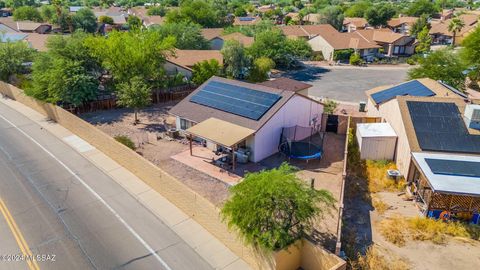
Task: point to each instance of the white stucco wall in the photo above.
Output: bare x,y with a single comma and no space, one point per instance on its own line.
319,44
298,110
390,113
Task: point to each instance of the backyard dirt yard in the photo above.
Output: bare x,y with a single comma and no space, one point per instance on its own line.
382,223
155,121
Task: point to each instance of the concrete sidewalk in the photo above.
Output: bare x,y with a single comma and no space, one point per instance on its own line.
204,243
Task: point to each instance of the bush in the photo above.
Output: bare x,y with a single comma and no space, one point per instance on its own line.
318,57
342,55
125,140
355,59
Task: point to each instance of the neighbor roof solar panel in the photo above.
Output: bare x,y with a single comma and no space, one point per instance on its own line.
454,167
246,102
246,19
412,88
440,127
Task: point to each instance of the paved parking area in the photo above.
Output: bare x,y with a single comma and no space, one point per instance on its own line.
346,83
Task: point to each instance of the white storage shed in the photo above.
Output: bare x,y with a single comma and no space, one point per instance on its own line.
376,141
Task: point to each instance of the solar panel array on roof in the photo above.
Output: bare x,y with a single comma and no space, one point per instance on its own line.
440,127
454,167
412,88
246,102
12,37
246,19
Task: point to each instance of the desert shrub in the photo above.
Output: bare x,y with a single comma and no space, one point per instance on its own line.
329,106
125,140
375,260
342,55
380,205
355,59
378,180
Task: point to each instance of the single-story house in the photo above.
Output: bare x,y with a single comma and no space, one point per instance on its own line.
37,41
221,113
305,31
438,145
183,60
217,39
12,36
351,24
149,21
402,24
312,18
5,12
295,16
383,102
244,21
393,44
288,84
441,35
25,26
330,40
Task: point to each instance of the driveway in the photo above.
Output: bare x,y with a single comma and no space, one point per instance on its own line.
346,83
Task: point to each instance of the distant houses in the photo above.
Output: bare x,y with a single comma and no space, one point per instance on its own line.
184,60
217,38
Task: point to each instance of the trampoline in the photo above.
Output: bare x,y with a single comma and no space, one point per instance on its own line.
301,150
295,143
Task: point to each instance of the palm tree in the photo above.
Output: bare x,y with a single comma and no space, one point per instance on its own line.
455,26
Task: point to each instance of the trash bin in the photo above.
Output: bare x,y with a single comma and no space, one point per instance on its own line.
362,106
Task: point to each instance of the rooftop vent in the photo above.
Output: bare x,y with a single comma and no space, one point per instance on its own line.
472,116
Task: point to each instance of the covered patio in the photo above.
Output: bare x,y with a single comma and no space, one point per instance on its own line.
225,138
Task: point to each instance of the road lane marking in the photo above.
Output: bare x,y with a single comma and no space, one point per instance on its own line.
95,194
27,253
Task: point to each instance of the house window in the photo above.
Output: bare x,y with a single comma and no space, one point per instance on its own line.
183,124
399,50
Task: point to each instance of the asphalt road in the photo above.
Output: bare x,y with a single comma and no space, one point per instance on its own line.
69,211
347,83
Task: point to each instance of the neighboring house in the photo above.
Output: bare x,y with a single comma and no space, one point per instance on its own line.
288,85
244,21
12,36
265,8
74,9
312,18
438,147
354,24
25,26
5,12
184,60
441,35
37,41
149,21
402,25
383,102
393,44
258,131
217,42
305,31
330,40
295,16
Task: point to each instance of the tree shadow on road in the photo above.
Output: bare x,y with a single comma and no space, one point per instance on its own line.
307,74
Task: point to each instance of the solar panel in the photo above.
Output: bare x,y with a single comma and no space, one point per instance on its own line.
243,101
412,88
440,127
246,19
454,167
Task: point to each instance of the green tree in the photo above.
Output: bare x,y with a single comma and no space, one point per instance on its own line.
235,59
456,25
442,65
105,19
420,7
260,69
357,9
134,94
204,70
470,53
330,106
197,11
419,25
13,55
424,41
129,54
299,48
355,59
332,15
157,11
240,12
27,13
67,72
134,23
379,16
188,35
48,13
273,208
85,20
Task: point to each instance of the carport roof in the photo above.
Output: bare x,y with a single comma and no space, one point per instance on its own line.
220,132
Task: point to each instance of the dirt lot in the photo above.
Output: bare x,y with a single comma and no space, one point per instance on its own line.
155,121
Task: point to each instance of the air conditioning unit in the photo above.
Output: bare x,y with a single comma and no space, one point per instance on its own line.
472,116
